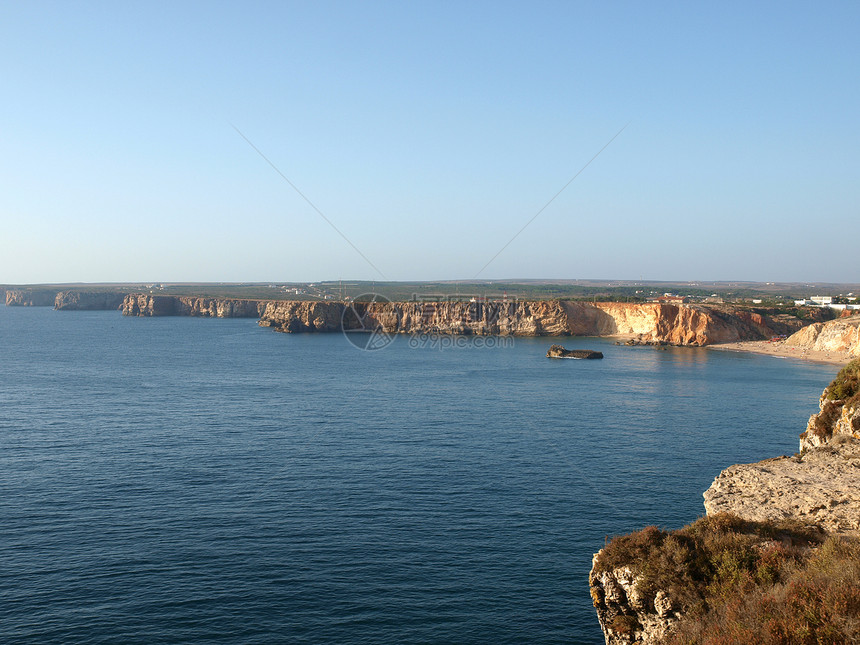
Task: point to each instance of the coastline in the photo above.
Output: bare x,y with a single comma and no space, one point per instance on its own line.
780,349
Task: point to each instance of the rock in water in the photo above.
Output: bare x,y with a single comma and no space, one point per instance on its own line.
557,351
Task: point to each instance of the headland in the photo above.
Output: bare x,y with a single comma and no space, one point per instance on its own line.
775,560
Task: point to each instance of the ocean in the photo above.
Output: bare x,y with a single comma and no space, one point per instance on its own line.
186,480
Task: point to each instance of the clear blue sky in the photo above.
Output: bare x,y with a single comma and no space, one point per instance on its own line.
429,133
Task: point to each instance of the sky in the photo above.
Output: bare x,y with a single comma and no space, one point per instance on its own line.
305,141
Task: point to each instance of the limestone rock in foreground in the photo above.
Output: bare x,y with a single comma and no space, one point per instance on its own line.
625,611
821,486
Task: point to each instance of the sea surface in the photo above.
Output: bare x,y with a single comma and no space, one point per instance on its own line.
184,480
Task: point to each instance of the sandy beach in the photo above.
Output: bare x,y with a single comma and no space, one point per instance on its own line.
780,349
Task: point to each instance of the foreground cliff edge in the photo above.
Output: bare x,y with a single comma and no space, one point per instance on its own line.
775,560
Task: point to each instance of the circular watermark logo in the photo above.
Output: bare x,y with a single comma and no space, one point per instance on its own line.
360,327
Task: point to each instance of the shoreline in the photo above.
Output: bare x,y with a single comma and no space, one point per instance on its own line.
781,350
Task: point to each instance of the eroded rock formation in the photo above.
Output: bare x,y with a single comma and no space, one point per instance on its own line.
840,335
651,322
88,300
838,416
820,486
695,325
139,304
627,613
294,316
30,297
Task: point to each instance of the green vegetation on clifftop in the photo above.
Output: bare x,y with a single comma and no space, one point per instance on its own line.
846,385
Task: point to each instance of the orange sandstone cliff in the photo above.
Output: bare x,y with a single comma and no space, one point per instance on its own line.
695,325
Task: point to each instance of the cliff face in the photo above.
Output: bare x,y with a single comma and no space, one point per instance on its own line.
649,323
504,319
657,323
695,325
627,613
30,297
293,316
840,335
138,304
88,300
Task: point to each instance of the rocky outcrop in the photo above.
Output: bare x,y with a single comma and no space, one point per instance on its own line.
30,297
557,351
625,610
88,300
294,316
838,416
819,486
840,335
141,304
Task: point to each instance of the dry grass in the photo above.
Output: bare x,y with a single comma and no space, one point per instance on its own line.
814,602
748,582
712,557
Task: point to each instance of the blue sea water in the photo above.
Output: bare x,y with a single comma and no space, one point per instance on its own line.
182,480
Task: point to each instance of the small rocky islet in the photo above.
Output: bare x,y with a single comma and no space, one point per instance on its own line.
557,351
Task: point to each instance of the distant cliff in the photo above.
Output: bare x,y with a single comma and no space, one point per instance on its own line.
539,318
840,335
696,325
30,297
88,300
139,304
648,323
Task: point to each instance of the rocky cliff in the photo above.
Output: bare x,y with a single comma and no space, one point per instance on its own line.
139,304
647,585
695,325
840,335
820,486
294,316
88,300
838,416
30,297
649,323
540,318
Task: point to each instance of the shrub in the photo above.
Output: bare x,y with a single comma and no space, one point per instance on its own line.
846,385
793,596
739,581
624,624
